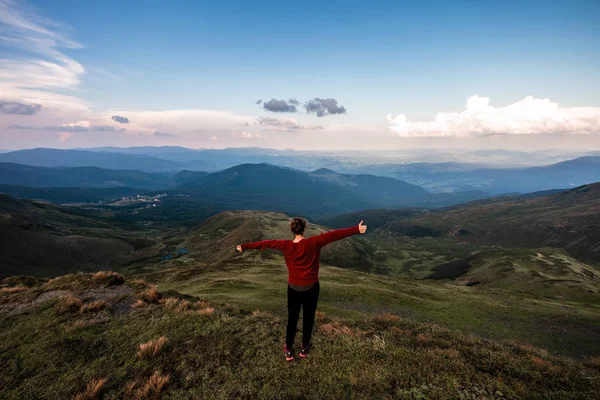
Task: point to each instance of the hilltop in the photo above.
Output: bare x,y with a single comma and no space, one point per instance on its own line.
100,335
215,239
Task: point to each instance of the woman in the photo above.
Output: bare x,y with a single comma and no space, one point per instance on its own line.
302,259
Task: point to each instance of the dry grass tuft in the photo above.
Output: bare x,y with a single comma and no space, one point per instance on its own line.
540,362
81,324
336,328
109,277
70,303
150,296
424,338
153,387
170,302
438,354
204,303
94,306
183,306
320,316
593,362
260,313
14,289
130,387
152,347
206,311
378,342
93,390
386,320
139,304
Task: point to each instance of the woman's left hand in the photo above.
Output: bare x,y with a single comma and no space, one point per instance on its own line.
239,247
362,228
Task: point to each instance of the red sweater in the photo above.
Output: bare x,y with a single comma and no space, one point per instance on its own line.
302,258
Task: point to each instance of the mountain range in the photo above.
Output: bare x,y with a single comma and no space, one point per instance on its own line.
439,174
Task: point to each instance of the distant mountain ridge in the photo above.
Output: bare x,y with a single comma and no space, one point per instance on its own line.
565,174
42,157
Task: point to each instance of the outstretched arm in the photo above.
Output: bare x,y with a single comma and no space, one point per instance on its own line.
332,236
264,244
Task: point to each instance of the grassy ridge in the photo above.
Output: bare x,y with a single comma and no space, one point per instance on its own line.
62,346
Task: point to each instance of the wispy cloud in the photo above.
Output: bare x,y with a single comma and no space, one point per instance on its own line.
39,69
284,124
246,135
528,116
162,134
80,126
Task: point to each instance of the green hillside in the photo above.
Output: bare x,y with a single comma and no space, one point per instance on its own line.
46,240
569,220
546,272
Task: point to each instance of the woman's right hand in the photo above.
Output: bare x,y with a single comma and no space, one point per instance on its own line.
239,247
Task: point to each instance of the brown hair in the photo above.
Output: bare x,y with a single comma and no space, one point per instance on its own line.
298,225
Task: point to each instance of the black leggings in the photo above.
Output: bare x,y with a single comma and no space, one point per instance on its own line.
308,300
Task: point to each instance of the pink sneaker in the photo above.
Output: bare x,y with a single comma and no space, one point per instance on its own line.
289,353
304,351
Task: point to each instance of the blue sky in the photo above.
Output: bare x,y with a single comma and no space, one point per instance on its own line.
375,58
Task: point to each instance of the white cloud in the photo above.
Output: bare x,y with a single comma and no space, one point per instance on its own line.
213,138
245,135
528,116
39,69
83,124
